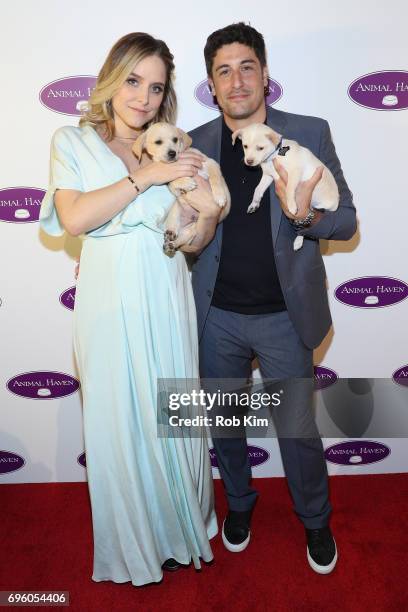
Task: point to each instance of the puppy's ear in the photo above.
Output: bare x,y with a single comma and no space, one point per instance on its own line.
273,136
236,134
185,140
139,145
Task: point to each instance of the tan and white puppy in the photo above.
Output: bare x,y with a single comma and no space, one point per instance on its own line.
164,142
262,145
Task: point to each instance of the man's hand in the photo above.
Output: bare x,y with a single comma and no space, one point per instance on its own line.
202,200
303,194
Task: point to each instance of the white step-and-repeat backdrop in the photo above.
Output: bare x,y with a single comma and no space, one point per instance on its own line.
346,62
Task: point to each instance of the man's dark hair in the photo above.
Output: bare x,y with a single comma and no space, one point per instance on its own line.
234,33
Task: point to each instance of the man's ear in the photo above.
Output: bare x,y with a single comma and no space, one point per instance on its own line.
139,145
211,86
265,76
185,139
236,134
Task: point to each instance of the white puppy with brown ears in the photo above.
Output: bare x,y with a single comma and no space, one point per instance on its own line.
262,145
164,142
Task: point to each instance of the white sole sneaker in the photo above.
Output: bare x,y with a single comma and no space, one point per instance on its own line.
235,547
322,569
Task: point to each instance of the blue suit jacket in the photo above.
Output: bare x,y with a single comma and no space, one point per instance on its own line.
301,273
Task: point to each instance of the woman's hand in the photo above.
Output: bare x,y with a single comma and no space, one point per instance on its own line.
159,173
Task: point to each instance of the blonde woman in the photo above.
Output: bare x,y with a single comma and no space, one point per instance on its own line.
134,320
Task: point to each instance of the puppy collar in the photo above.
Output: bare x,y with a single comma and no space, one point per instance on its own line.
278,146
281,150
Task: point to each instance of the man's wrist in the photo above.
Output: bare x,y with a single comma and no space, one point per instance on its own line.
305,222
311,219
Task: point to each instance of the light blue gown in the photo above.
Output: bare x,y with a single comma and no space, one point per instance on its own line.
134,322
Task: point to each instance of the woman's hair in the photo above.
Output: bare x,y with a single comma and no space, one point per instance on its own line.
120,62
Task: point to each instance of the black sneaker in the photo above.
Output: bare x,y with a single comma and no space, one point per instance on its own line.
235,530
321,550
171,565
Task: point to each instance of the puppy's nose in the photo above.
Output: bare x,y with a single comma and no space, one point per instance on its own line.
249,162
171,154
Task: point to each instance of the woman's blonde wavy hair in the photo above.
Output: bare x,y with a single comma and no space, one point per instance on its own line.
122,58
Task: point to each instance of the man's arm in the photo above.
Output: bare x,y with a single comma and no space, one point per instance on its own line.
202,200
338,225
206,227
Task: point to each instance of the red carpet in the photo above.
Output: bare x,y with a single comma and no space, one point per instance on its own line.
46,540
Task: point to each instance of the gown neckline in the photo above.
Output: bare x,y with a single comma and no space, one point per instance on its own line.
101,140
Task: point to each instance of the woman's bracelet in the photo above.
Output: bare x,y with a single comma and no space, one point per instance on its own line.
133,183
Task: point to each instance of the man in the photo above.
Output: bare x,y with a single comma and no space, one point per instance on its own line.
255,295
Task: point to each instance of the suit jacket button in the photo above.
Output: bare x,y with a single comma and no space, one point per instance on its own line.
217,258
209,292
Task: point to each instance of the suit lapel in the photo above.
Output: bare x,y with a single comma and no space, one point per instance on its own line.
215,139
277,121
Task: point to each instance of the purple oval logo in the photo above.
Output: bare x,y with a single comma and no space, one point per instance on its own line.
400,376
203,95
20,204
43,385
383,90
67,298
324,377
371,292
69,95
10,462
357,452
256,454
82,459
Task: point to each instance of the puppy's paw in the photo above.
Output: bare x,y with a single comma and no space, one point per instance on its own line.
298,243
203,173
190,184
187,184
169,248
169,235
292,207
182,185
220,199
253,207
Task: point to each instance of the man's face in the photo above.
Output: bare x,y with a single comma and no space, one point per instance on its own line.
238,81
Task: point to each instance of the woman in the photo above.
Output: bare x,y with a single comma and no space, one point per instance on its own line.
134,320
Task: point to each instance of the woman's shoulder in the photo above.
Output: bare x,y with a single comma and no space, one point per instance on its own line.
70,133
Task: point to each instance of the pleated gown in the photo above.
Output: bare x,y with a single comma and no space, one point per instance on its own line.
134,322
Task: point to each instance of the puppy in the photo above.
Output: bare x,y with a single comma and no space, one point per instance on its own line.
262,145
164,142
